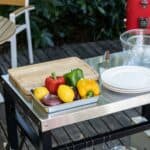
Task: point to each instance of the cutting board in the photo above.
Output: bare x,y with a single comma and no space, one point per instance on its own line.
31,76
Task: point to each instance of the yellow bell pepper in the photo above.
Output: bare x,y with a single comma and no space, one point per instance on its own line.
88,88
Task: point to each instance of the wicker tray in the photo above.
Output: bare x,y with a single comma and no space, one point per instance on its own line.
28,77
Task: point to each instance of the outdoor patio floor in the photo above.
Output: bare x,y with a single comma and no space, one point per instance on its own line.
79,130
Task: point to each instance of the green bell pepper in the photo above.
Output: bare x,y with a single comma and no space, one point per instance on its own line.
73,77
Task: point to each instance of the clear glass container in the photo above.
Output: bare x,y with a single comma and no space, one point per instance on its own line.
123,148
136,43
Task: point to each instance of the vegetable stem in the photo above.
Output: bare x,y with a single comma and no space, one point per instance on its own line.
53,74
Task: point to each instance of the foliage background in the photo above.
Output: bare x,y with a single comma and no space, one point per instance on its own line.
55,22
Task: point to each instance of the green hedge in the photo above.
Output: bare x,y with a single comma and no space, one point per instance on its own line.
55,22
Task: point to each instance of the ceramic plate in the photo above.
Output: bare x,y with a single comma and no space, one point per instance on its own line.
127,79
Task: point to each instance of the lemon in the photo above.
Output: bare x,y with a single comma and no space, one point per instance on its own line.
65,93
40,92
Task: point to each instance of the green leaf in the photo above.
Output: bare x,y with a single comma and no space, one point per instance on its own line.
101,10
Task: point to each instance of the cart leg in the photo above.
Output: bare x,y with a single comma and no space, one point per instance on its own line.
11,120
146,111
45,141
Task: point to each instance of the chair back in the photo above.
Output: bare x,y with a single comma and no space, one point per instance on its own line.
15,2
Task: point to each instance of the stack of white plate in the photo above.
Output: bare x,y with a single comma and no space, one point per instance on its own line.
127,79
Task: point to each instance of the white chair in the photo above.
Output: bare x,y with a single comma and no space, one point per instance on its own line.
24,9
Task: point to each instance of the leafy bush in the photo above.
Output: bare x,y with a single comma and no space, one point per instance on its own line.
55,22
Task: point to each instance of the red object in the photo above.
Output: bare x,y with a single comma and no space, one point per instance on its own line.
52,83
138,14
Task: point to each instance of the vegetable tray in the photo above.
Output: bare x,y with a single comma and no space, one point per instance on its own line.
32,76
64,106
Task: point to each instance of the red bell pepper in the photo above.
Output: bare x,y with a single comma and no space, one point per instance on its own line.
52,83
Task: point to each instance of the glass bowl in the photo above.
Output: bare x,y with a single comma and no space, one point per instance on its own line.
136,43
119,147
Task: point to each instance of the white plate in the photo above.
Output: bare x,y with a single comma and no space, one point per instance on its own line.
130,90
125,91
127,79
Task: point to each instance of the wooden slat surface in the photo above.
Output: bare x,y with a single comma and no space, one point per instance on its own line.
83,129
86,126
7,29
